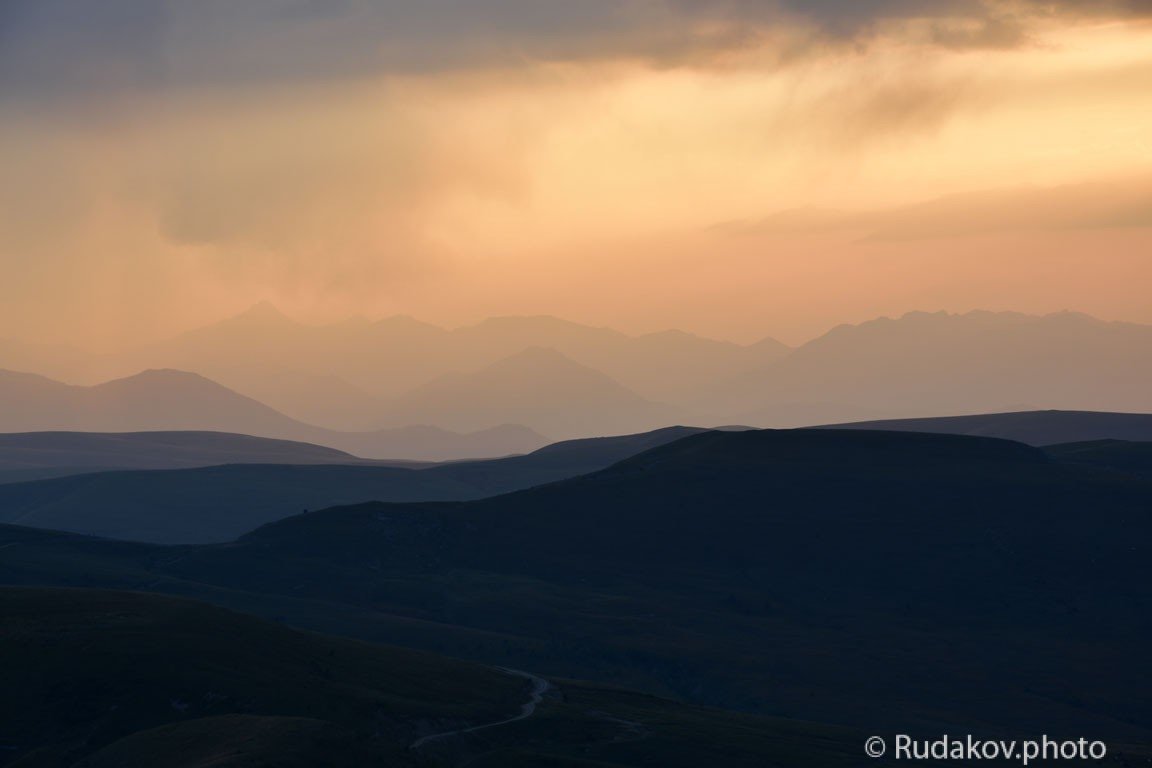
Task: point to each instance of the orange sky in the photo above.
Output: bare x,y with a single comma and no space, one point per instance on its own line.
740,192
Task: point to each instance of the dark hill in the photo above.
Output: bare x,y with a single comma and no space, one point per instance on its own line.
1120,455
801,545
890,580
774,449
24,455
83,669
98,679
1032,427
209,504
216,504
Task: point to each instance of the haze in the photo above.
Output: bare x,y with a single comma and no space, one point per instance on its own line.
734,169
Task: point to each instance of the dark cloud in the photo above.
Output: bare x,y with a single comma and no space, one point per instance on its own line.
80,49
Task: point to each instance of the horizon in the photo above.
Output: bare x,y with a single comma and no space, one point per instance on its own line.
265,305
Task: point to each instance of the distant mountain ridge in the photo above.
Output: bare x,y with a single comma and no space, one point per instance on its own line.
924,364
341,373
540,387
360,375
167,400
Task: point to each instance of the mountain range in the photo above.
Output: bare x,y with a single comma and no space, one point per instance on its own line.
167,400
566,380
538,386
926,364
338,374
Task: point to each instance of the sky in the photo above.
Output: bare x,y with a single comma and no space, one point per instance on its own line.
736,168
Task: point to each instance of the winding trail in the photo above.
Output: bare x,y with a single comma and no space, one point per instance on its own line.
540,686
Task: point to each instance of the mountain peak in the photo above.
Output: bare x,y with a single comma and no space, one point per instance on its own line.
542,360
530,327
547,321
167,378
405,323
263,313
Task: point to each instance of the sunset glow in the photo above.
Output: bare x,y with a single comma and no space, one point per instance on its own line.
598,177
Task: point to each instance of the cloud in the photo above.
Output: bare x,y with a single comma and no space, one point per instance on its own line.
167,159
77,50
1098,205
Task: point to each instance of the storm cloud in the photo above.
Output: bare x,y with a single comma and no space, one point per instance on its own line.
75,49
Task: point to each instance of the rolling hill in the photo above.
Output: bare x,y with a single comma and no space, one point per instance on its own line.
1120,455
1032,427
36,455
220,503
897,581
85,669
101,679
168,400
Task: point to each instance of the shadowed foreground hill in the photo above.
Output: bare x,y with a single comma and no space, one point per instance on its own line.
1032,427
887,580
83,669
98,679
1120,455
216,504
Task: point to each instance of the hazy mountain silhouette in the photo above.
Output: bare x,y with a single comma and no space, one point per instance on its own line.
48,359
896,580
152,400
538,387
1032,427
360,375
335,374
166,400
927,364
220,503
664,366
384,357
104,679
323,400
